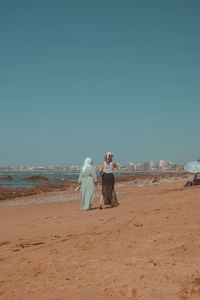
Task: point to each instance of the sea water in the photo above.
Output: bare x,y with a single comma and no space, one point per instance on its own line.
18,177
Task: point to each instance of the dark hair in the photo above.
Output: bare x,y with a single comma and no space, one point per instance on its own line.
109,159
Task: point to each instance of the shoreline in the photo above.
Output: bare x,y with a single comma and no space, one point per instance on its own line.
66,192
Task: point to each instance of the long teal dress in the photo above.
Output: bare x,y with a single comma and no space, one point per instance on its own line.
87,179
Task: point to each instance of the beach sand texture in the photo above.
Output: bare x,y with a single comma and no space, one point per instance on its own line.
148,248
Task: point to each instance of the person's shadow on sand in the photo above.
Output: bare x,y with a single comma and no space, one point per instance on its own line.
97,207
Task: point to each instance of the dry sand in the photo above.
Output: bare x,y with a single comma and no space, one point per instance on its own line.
148,248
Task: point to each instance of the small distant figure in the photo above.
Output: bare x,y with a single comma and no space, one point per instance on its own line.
195,181
87,179
106,169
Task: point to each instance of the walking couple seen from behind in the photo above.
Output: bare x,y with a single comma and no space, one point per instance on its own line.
88,178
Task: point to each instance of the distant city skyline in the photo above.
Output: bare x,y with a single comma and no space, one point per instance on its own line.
148,165
81,78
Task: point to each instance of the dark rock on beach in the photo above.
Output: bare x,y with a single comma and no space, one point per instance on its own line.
155,180
6,178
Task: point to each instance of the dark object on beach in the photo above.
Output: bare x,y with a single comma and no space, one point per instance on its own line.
155,180
196,180
38,243
6,178
36,178
138,225
188,183
25,245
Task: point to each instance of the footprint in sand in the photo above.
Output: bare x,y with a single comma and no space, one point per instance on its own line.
128,291
191,291
109,291
138,224
178,250
4,243
15,250
55,237
2,259
26,245
195,289
53,251
107,221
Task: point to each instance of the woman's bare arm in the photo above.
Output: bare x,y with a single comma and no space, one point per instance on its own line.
114,165
101,167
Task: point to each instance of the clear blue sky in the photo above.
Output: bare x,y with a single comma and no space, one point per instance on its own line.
80,78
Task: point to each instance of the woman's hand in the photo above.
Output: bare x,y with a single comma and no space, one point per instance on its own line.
77,188
114,165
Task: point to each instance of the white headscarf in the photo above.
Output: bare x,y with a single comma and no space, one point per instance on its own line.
87,163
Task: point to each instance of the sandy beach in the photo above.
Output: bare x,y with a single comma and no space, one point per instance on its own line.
145,249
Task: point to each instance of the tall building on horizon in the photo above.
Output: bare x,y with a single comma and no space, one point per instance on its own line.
161,163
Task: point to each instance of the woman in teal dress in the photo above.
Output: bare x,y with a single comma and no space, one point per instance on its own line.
87,179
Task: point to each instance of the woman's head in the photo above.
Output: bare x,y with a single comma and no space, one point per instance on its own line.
108,157
87,163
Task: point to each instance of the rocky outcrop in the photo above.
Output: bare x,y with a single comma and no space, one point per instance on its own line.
36,178
9,193
155,180
9,177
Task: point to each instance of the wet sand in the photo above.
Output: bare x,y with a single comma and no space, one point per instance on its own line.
145,249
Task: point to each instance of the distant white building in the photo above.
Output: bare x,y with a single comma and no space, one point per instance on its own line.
161,163
39,168
166,165
75,168
146,166
130,166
